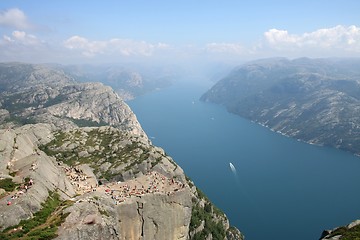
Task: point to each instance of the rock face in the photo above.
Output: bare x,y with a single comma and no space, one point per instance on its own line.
83,142
19,155
41,94
314,100
151,217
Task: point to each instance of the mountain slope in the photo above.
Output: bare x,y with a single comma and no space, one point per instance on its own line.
127,81
314,100
76,164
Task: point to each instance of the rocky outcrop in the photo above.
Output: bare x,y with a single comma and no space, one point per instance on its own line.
153,216
42,94
313,100
20,155
112,182
351,231
157,215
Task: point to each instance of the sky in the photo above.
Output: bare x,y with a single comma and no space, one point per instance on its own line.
109,31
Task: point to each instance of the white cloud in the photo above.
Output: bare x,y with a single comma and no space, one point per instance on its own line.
338,41
21,46
88,48
14,18
115,46
20,37
274,36
338,38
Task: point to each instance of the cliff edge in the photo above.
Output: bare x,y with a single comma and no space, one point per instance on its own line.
76,164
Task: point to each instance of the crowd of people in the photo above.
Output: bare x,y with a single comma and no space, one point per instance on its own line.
152,182
19,191
80,180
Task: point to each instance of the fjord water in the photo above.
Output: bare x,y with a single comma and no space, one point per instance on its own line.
282,189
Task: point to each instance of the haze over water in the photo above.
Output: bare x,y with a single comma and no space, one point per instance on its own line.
283,189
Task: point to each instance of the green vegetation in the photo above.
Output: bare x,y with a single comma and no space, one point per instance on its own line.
216,228
347,234
98,146
234,233
18,120
189,181
153,164
55,100
87,123
8,185
201,194
211,216
13,104
43,225
108,175
103,212
27,179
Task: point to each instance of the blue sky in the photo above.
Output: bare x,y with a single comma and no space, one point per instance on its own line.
106,31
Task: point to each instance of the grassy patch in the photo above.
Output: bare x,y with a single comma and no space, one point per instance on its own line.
8,185
210,215
352,234
112,146
43,225
347,234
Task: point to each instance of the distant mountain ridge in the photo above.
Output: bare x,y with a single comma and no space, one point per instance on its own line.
314,100
129,82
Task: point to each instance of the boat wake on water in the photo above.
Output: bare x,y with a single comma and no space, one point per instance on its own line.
233,169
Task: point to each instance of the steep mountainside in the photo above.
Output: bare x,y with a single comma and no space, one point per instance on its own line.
314,100
127,81
75,164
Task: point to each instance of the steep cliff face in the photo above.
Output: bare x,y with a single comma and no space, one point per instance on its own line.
314,100
42,94
155,216
75,164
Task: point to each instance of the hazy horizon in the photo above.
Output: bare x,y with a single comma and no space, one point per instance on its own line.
185,32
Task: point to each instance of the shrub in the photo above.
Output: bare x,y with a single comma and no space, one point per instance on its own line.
44,224
8,185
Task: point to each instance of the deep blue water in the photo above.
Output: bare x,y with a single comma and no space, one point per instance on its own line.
283,189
